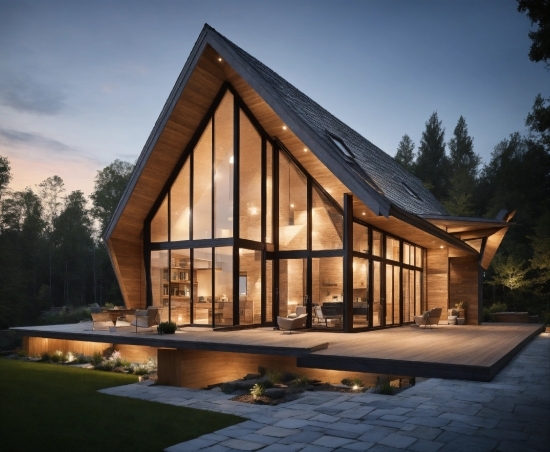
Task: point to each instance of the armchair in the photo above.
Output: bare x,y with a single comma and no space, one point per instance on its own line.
292,324
147,318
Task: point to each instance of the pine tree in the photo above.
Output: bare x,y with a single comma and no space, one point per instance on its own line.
464,165
405,153
432,165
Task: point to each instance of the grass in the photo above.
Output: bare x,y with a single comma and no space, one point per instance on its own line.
48,407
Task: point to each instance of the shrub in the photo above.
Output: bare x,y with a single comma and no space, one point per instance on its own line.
45,356
97,359
58,357
258,390
300,381
385,388
82,359
280,376
21,353
105,365
140,370
167,327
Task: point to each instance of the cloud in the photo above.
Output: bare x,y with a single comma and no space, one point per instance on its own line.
39,148
18,138
30,96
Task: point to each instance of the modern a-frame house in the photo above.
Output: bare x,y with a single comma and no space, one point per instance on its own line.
249,200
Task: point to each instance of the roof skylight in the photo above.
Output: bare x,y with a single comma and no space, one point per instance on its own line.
411,191
340,144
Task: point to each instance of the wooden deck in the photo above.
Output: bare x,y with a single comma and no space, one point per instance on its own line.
459,352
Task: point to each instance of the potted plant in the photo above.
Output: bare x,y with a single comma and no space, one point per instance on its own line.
461,307
166,328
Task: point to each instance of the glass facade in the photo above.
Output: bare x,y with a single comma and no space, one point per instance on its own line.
220,256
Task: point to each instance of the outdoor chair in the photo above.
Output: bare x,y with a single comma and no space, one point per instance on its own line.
299,311
292,324
147,318
326,319
100,317
428,318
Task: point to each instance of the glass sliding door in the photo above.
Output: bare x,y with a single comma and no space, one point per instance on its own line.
360,293
223,286
183,281
202,298
327,287
377,297
292,285
250,287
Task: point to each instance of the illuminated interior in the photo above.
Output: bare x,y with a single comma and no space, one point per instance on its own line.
243,234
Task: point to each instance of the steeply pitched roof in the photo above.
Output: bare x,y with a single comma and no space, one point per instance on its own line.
378,169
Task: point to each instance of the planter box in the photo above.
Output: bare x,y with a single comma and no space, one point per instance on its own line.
451,320
461,321
512,317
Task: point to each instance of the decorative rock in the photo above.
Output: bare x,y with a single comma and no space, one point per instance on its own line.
251,376
275,393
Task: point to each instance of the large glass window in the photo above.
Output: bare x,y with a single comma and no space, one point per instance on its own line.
328,292
360,238
269,291
292,285
202,186
250,174
250,287
160,274
392,249
202,300
223,286
376,243
269,195
327,223
223,168
292,206
360,293
159,223
182,283
377,302
180,205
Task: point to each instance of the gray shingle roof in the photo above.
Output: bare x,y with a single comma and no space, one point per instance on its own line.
380,170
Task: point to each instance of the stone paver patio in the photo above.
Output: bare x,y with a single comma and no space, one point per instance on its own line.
511,413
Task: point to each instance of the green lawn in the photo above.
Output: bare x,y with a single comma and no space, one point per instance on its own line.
47,407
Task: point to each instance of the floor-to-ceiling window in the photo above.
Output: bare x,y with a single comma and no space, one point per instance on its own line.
220,256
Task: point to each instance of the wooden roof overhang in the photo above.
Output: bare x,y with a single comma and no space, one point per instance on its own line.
484,234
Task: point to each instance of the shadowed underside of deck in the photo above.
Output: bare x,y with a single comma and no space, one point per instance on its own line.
461,352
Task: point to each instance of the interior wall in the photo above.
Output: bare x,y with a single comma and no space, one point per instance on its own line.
464,286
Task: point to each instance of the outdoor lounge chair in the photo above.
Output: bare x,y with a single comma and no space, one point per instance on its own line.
100,317
147,318
292,324
322,317
428,318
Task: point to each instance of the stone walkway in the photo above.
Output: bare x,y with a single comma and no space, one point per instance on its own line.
511,413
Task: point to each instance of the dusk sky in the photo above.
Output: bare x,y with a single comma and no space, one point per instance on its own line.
82,83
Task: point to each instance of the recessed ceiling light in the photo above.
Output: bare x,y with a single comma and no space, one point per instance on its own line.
219,58
305,149
292,205
284,127
364,213
441,246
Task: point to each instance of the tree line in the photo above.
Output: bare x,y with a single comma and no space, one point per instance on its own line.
517,177
51,251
